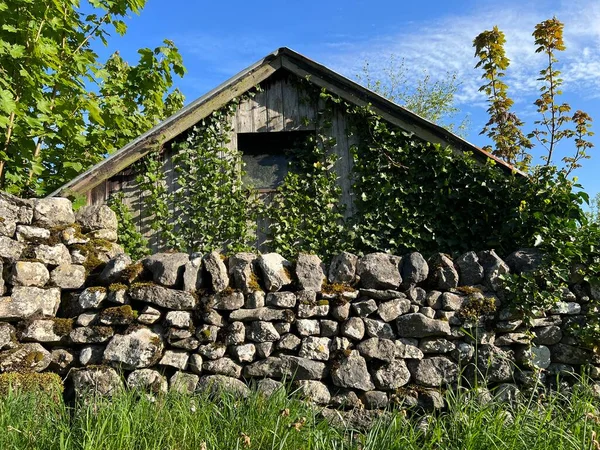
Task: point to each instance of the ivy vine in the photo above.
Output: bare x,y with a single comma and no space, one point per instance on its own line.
132,241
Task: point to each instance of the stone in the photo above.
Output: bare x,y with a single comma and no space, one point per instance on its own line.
262,332
105,235
91,335
442,274
62,361
392,375
52,255
189,343
179,319
566,308
10,250
245,353
195,363
96,217
316,348
15,208
71,236
524,260
50,331
375,400
392,309
535,356
25,273
212,350
353,328
273,367
183,383
340,344
115,269
346,399
493,267
428,312
242,272
207,333
53,212
309,272
192,275
549,335
343,268
228,301
7,335
419,326
382,295
436,345
212,317
268,387
407,348
434,371
163,297
135,350
167,269
430,400
223,366
281,299
149,315
217,271
298,368
379,349
264,349
463,352
275,271
289,342
147,380
25,358
414,269
352,373
471,272
235,333
93,381
91,355
453,302
495,364
512,339
28,301
175,358
262,314
377,328
308,327
307,310
379,271
329,328
569,354
434,299
255,300
118,295
417,296
341,312
313,390
365,307
216,384
26,233
282,327
68,276
8,226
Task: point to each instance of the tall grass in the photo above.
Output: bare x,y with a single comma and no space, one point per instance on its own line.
178,422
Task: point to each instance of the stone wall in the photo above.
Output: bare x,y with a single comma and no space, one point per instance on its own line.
361,332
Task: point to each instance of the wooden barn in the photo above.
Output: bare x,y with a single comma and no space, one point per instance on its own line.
263,126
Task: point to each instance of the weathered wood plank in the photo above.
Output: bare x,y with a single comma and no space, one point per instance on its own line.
275,106
259,112
98,194
343,166
291,114
244,116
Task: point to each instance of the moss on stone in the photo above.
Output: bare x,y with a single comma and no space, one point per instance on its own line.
132,272
476,307
62,327
468,290
117,287
253,282
31,382
121,314
336,288
97,289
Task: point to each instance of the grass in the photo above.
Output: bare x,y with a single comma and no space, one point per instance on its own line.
177,422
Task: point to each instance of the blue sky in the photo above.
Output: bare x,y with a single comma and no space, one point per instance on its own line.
218,39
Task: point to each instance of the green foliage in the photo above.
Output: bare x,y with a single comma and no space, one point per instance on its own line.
132,241
61,108
305,214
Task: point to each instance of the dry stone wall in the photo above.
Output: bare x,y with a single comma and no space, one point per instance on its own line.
359,332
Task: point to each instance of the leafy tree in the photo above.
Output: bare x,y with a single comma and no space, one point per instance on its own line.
432,100
61,108
594,213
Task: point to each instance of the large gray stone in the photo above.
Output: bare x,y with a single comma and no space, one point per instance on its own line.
275,271
309,272
217,384
549,335
68,276
114,269
569,354
25,273
262,332
53,212
495,365
313,390
135,350
217,271
7,336
96,217
177,359
27,301
228,301
392,309
418,326
343,268
379,349
524,260
223,366
379,329
435,371
25,358
493,267
353,328
442,273
242,273
391,376
192,275
10,250
15,208
414,269
91,335
167,269
163,297
147,380
352,373
471,272
27,233
316,348
47,331
379,271
92,381
262,314
183,383
53,255
92,297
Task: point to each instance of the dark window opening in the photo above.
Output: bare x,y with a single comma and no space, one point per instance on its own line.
267,156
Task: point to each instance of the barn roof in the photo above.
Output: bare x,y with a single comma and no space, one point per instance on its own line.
283,58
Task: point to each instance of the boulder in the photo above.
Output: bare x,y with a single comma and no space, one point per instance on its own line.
175,358
25,358
392,375
92,297
281,299
25,273
569,354
315,348
27,301
163,297
135,350
7,335
53,212
242,272
375,400
442,273
235,333
364,307
471,272
549,335
524,260
352,373
343,268
228,301
92,381
27,233
15,208
313,390
392,309
167,269
379,271
149,315
407,348
96,217
68,276
298,368
309,272
354,328
414,269
379,329
275,271
262,332
416,325
308,327
268,387
493,268
495,365
379,349
183,383
436,345
179,319
434,371
223,366
217,271
147,380
216,384
245,353
535,356
52,255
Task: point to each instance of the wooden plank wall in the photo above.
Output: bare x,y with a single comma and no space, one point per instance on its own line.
279,106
